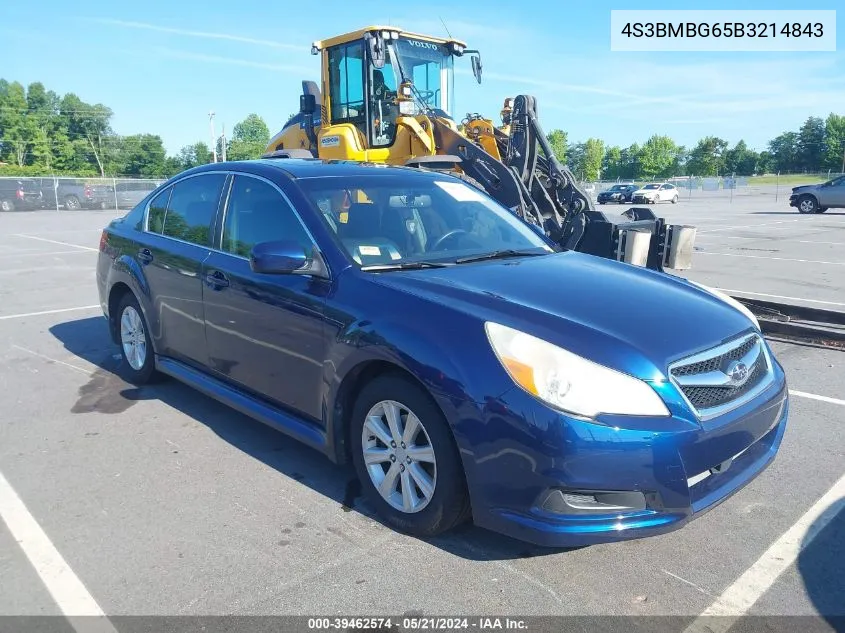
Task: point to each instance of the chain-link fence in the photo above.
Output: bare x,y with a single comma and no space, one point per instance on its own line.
19,193
778,186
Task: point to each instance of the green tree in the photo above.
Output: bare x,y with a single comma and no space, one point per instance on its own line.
657,157
592,158
193,155
631,162
141,155
811,144
558,141
611,166
784,152
249,139
707,158
88,123
834,143
741,160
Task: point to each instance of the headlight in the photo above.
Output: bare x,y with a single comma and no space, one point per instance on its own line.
567,381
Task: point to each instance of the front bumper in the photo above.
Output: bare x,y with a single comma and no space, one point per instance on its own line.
793,200
643,199
680,466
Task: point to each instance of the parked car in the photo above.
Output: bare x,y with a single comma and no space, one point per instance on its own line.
819,198
404,321
618,193
655,192
75,193
18,194
131,192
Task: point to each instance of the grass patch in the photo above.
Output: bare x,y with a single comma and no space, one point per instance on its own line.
787,180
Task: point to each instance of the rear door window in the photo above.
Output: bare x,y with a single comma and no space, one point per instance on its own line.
193,207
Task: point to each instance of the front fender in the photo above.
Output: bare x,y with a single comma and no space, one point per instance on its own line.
434,362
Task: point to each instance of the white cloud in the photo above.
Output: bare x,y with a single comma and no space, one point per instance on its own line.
235,61
201,34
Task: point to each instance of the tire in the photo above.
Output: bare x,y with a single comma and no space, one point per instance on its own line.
675,199
602,202
807,204
137,370
447,503
7,205
72,203
821,209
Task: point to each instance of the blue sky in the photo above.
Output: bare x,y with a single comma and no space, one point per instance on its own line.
161,66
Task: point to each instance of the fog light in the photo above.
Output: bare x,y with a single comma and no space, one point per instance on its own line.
593,501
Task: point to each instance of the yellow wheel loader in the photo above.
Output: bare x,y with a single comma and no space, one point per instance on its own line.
387,96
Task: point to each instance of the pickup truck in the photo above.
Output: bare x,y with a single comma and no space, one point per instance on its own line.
19,194
76,193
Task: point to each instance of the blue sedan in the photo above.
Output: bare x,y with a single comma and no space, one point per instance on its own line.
468,368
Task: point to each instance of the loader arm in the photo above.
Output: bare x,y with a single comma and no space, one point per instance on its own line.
530,180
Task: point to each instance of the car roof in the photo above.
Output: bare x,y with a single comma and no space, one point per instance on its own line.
300,168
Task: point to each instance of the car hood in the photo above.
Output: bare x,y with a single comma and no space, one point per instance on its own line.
803,188
646,191
630,318
611,193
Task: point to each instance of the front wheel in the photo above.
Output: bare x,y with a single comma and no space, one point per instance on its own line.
807,204
405,456
821,209
7,205
72,203
675,199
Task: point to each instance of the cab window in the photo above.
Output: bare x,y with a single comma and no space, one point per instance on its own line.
346,84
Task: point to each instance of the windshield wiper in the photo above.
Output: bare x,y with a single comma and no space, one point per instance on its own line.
500,255
406,266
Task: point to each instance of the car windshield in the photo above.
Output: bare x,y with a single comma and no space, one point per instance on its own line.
618,188
652,186
406,219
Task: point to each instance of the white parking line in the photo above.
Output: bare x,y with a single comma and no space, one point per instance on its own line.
762,294
750,226
737,599
51,359
814,396
3,317
783,259
41,254
44,239
64,586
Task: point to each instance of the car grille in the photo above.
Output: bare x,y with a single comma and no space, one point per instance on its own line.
724,377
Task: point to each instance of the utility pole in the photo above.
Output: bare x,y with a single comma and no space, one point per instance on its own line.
223,142
213,137
843,157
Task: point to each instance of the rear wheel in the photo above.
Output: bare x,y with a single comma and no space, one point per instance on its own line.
807,204
136,347
72,203
405,457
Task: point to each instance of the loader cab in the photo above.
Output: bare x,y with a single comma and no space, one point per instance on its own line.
373,77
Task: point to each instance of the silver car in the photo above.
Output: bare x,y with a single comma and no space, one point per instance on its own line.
819,198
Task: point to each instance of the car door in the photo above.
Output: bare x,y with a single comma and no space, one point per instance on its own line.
180,223
264,332
833,195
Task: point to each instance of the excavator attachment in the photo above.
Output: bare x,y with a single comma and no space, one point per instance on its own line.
529,179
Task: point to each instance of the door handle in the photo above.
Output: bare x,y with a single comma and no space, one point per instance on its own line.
216,280
145,255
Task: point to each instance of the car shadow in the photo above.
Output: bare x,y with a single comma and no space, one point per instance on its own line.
820,565
109,392
794,213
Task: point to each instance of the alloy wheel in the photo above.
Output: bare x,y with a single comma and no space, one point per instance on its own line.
399,456
133,338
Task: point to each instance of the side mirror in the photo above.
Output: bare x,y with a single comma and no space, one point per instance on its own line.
278,258
307,104
375,42
475,60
